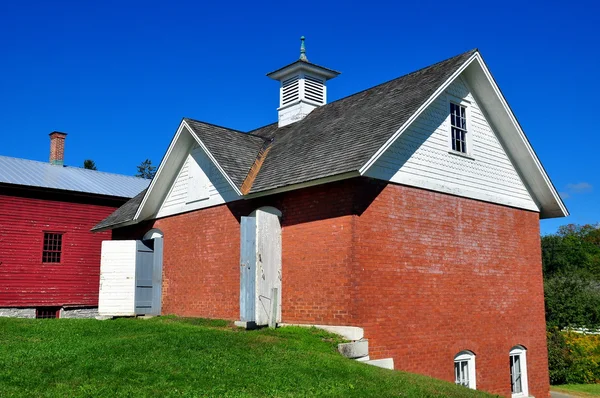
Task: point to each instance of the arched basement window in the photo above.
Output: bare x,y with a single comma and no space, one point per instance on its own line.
518,372
464,369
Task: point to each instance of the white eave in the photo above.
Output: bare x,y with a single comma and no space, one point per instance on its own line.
509,133
169,166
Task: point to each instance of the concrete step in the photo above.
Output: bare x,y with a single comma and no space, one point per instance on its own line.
386,363
351,333
355,349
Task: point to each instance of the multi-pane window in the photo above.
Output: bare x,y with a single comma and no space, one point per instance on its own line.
464,369
518,372
52,250
458,123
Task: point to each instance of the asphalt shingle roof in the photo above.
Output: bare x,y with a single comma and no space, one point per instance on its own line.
233,150
333,139
123,214
45,175
343,135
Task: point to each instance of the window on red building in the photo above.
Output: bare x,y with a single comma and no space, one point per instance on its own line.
52,251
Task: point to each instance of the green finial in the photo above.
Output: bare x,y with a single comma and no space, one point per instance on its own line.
303,50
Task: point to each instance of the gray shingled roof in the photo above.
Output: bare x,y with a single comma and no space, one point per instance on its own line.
233,150
123,214
335,138
44,175
343,135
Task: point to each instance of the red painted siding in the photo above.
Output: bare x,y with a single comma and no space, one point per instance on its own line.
425,274
24,280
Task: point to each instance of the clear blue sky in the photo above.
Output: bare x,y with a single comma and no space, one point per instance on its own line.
118,76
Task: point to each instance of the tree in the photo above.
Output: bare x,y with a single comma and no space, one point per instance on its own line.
146,170
571,265
89,164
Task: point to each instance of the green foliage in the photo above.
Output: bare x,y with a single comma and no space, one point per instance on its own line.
169,356
89,164
573,358
146,170
559,358
571,264
572,300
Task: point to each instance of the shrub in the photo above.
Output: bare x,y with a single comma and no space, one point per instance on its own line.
559,360
573,358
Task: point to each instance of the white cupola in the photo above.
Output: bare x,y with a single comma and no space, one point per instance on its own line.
302,88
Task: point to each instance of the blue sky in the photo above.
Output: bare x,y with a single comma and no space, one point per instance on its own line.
118,76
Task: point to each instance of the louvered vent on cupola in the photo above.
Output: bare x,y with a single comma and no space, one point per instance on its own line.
314,89
302,88
290,90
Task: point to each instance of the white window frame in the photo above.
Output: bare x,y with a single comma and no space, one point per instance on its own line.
521,352
469,357
469,131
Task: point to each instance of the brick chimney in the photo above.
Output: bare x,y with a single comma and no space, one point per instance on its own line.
57,148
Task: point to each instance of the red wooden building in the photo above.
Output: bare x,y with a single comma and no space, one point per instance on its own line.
49,259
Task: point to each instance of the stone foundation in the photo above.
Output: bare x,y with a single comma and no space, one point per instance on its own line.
79,313
68,313
17,312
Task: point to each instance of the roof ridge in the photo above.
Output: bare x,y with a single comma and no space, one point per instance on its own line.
69,167
262,127
403,76
474,50
213,125
225,128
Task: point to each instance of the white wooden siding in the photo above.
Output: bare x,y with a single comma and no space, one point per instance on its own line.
197,167
421,157
117,278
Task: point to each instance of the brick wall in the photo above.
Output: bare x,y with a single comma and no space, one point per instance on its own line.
426,274
437,274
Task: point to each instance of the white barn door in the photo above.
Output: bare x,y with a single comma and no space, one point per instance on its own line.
260,266
131,278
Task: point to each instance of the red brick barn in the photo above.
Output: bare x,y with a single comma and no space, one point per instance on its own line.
410,210
49,259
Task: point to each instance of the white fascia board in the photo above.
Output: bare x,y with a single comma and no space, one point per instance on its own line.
159,172
523,137
161,169
415,115
312,183
530,152
212,159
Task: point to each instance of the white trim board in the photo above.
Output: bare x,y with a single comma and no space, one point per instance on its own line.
507,128
169,168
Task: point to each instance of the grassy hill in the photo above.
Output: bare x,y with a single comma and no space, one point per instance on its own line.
179,357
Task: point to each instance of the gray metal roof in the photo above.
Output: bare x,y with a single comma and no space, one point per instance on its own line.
44,175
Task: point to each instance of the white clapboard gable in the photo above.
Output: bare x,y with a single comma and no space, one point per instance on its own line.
422,156
198,185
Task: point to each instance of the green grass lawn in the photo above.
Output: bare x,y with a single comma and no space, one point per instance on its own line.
582,390
182,357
